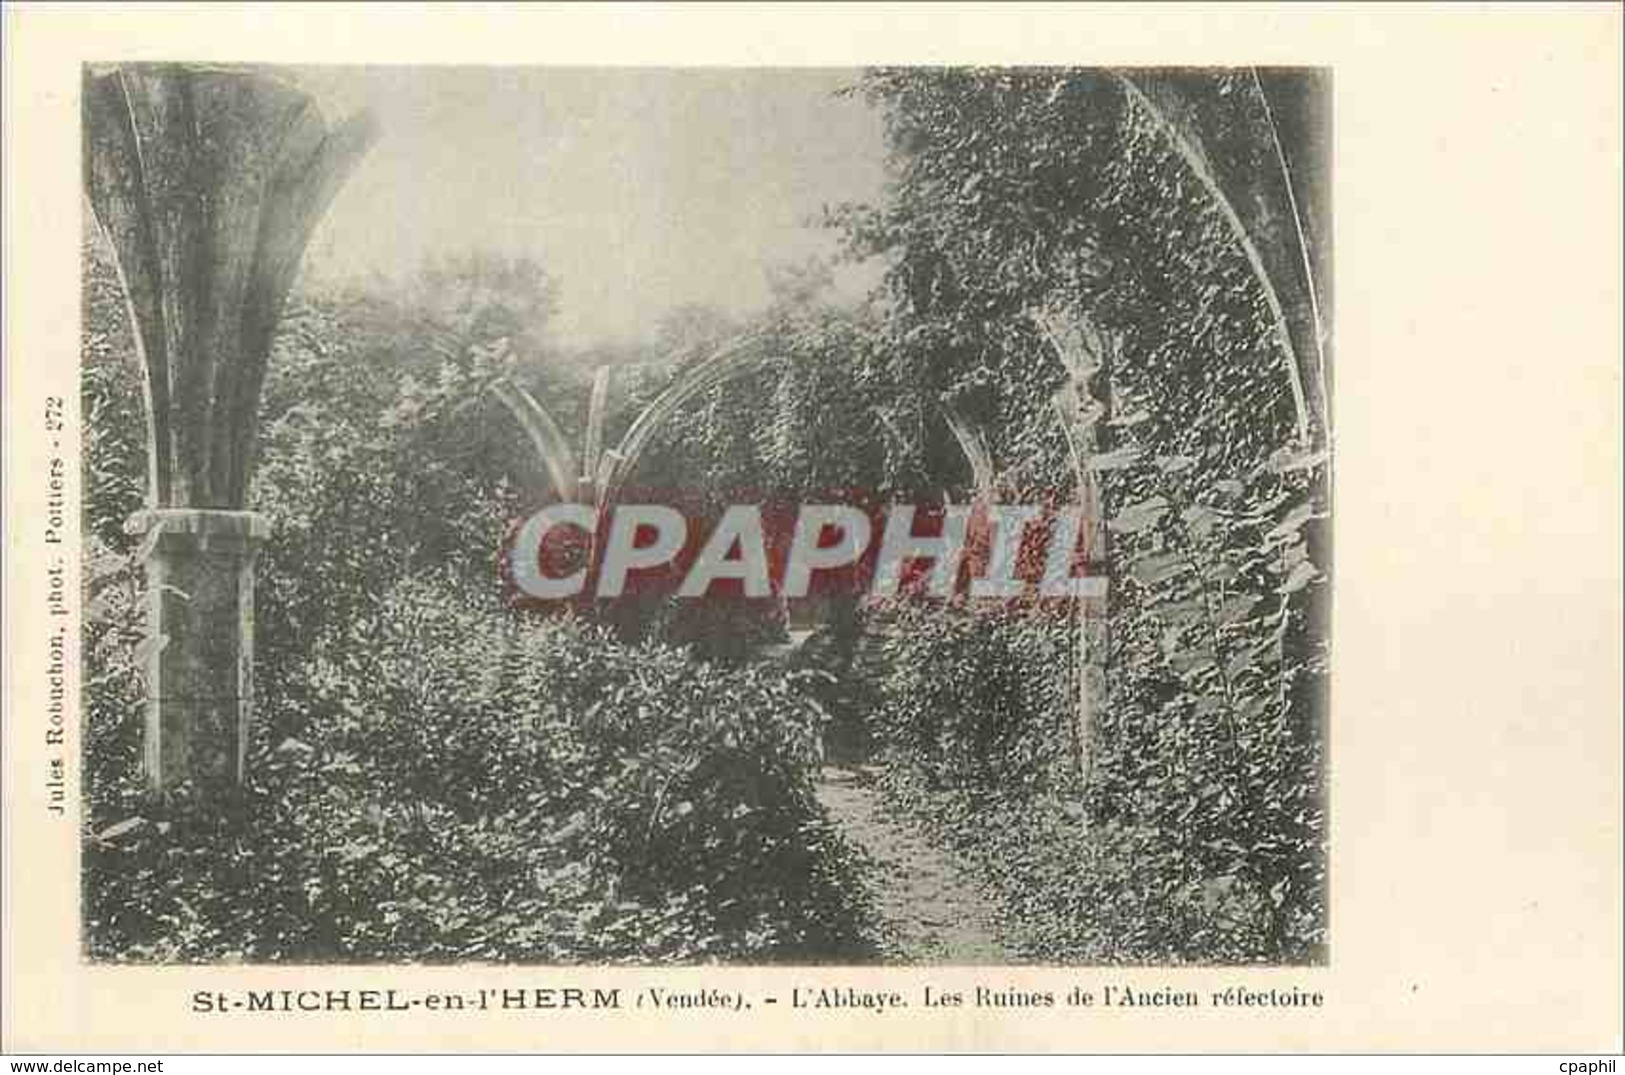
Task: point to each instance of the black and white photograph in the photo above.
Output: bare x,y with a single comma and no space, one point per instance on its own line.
665,516
711,531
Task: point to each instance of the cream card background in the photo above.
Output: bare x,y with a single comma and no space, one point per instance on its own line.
1476,708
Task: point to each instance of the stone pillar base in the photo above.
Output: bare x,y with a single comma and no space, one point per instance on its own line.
200,672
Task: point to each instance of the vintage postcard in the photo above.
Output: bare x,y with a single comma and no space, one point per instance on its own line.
932,528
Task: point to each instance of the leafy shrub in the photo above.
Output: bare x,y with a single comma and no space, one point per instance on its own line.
478,789
975,697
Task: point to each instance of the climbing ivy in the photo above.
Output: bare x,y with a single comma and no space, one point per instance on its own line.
1040,221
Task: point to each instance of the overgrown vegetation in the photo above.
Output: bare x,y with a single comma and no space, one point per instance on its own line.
1040,224
436,776
474,792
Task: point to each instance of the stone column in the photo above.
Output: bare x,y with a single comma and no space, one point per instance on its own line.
200,667
207,183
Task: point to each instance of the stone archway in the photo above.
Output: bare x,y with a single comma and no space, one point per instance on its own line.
596,475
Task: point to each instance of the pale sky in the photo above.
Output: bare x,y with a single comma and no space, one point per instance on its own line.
638,189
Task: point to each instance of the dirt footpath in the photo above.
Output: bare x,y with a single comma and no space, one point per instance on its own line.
930,909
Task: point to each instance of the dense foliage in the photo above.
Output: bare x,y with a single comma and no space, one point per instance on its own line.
434,776
539,795
438,776
1042,225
